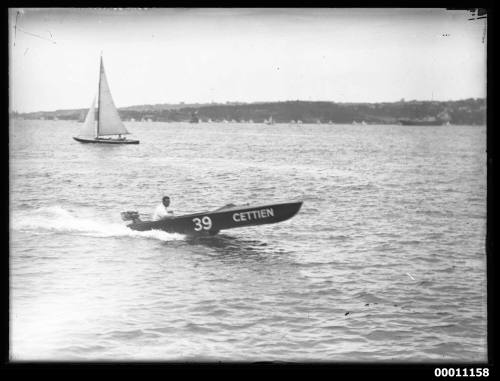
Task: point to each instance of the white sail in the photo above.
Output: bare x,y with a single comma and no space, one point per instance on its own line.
109,120
89,127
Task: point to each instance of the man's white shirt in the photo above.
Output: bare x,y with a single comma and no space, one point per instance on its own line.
160,212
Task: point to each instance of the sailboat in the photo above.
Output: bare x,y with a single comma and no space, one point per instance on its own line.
269,121
107,128
194,118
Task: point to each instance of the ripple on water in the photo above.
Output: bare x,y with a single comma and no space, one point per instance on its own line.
384,262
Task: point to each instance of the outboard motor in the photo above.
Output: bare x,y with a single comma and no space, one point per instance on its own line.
130,215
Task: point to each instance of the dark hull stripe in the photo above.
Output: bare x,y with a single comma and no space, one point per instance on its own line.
106,141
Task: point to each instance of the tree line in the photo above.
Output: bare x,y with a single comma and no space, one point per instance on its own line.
470,111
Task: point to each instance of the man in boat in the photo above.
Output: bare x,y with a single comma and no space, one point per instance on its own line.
161,210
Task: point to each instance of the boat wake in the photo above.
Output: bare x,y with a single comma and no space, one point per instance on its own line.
55,219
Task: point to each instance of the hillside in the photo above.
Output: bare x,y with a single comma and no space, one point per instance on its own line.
463,112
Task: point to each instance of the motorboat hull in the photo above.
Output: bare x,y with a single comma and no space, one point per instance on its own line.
211,222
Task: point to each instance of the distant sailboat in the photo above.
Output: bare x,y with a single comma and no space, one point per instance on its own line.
194,117
108,121
269,121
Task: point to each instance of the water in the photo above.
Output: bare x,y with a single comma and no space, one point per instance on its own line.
384,262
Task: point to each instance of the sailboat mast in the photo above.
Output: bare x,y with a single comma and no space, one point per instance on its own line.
99,100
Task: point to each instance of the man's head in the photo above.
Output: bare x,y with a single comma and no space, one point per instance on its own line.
166,201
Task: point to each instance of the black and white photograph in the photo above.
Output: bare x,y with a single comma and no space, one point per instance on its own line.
241,185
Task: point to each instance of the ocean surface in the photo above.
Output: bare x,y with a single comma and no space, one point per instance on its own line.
385,262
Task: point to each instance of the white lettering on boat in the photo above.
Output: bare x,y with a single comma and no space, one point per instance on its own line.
253,215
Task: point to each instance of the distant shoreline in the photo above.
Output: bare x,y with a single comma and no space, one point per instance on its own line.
470,111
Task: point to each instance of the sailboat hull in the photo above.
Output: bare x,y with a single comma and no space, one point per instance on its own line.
105,140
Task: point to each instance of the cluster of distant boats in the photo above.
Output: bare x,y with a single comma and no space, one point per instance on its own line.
103,125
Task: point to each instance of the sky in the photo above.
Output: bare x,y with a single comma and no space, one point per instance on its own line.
154,56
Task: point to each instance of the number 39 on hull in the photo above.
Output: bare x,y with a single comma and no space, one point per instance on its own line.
211,222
